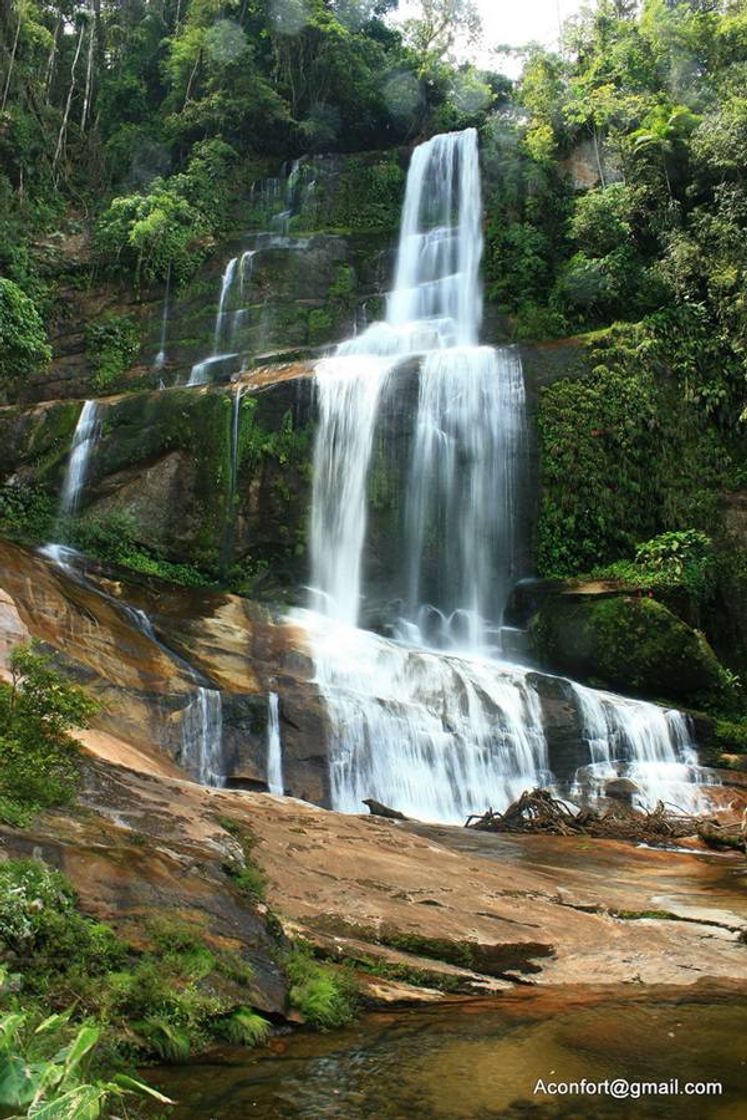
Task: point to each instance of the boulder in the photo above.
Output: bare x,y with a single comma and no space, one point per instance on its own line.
629,643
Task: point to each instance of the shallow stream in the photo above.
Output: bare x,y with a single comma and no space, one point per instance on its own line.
481,1061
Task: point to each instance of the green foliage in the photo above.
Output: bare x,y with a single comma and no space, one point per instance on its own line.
681,561
169,1000
731,736
45,1070
148,236
323,993
683,558
624,456
40,758
246,1028
112,345
113,539
23,339
249,879
26,512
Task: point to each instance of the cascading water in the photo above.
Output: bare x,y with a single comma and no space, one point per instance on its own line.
274,746
434,723
650,745
468,441
86,434
202,737
201,370
160,359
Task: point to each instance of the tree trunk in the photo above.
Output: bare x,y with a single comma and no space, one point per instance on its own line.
600,169
49,74
89,69
11,64
63,126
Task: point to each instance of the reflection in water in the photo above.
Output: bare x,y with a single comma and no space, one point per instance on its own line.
482,1061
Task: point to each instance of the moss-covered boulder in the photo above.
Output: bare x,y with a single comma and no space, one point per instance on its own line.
630,643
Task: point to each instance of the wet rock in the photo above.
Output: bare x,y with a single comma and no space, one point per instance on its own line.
621,789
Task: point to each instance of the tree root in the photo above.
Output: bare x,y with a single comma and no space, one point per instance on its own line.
538,811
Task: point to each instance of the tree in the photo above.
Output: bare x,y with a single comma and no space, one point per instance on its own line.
441,23
665,132
23,339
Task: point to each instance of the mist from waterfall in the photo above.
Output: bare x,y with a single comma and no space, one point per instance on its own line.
433,720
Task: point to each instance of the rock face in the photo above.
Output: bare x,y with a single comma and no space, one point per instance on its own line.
632,644
147,679
220,477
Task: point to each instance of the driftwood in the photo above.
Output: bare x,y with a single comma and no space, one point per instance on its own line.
379,810
539,811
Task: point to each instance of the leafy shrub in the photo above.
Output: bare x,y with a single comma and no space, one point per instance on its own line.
26,511
731,736
146,235
683,558
166,1000
39,759
29,892
23,338
111,538
112,345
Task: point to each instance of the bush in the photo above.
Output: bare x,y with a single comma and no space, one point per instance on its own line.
112,539
169,999
23,339
679,559
39,759
146,236
112,346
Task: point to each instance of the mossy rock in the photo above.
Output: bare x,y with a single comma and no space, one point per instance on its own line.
634,644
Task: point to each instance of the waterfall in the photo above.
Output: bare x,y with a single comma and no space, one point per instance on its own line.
230,318
437,275
160,359
201,370
433,735
436,722
274,746
281,221
650,745
202,737
86,434
436,736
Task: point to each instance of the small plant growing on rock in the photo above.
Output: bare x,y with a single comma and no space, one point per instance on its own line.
324,994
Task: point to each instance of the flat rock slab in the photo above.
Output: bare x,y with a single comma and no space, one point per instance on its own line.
428,901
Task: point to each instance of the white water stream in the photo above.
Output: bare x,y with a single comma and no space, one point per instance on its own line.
275,782
86,434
